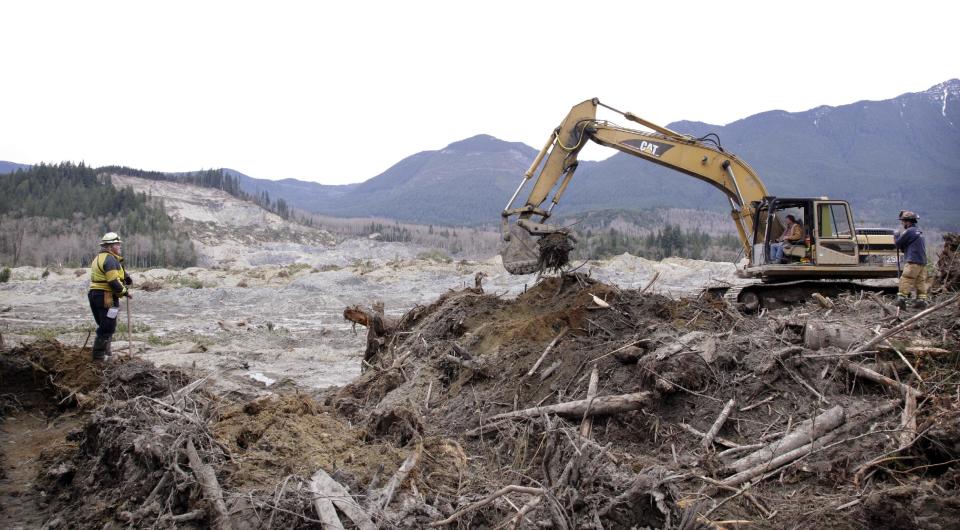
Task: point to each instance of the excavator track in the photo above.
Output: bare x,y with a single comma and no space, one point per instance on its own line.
756,296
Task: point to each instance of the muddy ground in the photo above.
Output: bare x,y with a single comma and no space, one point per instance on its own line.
257,327
216,389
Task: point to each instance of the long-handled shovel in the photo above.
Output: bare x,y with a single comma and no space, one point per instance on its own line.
129,331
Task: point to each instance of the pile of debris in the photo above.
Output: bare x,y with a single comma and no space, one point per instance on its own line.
948,264
575,405
582,406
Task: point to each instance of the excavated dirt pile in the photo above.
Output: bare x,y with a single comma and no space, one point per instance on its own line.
576,405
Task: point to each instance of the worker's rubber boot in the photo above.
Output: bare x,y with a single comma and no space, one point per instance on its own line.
902,301
107,351
920,303
99,349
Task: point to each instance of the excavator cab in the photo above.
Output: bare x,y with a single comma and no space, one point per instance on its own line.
832,247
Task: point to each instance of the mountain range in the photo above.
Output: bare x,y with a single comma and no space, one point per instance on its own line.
882,156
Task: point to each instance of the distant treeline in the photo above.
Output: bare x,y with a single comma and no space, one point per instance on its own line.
209,178
665,242
54,214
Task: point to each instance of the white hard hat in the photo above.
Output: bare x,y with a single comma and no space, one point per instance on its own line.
110,238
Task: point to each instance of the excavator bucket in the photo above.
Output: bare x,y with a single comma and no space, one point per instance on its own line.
524,254
520,254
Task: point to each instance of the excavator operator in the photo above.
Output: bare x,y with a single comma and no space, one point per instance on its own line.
792,235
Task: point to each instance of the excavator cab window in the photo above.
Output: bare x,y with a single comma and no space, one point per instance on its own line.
833,221
760,234
836,244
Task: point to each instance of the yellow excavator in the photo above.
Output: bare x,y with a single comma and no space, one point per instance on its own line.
831,253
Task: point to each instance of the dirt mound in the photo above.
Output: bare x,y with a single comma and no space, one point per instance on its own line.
47,366
50,373
275,437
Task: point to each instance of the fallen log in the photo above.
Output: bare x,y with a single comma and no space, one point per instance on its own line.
804,450
804,433
908,420
820,335
211,489
195,515
599,406
323,485
649,284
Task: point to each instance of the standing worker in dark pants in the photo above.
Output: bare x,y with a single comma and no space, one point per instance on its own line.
108,283
910,242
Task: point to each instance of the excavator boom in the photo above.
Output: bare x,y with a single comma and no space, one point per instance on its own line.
701,158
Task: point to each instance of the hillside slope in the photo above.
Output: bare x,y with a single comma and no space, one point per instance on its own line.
227,231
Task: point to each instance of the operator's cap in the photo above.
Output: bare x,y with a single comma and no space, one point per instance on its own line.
907,215
110,238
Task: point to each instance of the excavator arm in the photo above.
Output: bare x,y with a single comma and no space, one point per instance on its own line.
701,158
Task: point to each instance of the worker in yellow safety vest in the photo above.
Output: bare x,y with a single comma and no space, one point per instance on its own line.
108,284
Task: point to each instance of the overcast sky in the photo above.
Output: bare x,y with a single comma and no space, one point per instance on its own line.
337,92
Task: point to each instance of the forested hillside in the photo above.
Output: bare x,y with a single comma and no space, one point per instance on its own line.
55,214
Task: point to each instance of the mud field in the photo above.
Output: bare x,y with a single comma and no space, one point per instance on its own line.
578,401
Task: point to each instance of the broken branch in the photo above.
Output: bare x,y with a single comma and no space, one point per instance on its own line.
599,406
487,500
712,433
546,351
